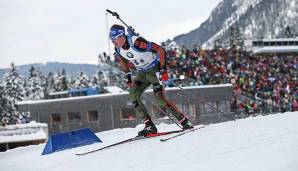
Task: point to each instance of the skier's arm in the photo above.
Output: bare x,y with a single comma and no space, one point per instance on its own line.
125,67
122,61
161,53
124,64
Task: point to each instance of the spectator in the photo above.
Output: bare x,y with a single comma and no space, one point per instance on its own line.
272,79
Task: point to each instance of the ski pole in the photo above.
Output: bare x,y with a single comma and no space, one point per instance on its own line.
164,112
200,99
161,110
115,14
182,90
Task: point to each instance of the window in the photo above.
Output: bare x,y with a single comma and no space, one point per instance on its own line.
128,114
285,43
291,43
74,117
272,43
92,116
55,118
258,43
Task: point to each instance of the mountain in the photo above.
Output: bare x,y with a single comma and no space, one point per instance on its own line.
55,67
262,143
254,18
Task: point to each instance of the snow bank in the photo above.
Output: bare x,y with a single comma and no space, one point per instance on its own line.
24,132
262,143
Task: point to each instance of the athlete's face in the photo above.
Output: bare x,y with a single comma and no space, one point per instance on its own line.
119,41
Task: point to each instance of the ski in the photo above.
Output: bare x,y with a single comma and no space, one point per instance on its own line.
130,140
181,133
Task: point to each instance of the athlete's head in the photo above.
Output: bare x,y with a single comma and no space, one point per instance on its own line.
117,35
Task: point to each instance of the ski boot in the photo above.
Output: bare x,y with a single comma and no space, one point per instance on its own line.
186,124
149,127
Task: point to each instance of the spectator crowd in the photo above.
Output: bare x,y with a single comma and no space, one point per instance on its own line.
267,81
262,83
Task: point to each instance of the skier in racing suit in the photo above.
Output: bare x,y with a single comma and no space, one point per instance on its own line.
148,58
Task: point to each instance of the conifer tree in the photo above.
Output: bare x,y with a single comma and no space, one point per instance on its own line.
13,91
235,38
82,81
34,85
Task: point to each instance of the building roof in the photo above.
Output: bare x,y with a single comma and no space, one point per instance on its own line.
276,49
113,93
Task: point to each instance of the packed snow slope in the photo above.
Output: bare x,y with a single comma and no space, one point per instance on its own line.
262,143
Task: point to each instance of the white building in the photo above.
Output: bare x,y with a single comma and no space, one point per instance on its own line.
278,45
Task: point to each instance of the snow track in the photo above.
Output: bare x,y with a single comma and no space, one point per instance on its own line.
258,143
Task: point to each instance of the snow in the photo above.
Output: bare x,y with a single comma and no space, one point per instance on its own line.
272,49
292,13
114,89
39,135
262,143
23,132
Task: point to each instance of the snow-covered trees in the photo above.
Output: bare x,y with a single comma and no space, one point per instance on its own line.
217,44
81,81
14,88
34,85
13,91
98,80
49,82
289,32
235,39
3,107
13,85
61,82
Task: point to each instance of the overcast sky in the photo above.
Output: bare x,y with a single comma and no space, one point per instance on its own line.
34,31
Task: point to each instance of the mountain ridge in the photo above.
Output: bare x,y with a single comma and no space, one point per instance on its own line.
55,67
254,18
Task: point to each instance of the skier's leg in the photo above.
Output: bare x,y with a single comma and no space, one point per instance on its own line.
135,93
159,94
160,97
135,96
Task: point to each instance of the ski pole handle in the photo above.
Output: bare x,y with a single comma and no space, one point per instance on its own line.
113,13
118,17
